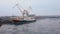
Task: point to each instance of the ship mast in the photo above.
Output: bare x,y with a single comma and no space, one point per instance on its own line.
24,11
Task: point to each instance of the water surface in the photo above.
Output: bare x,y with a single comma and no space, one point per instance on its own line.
42,26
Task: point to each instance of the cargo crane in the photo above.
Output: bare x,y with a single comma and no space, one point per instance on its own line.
24,11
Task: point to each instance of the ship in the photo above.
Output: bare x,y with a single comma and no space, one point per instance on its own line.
26,17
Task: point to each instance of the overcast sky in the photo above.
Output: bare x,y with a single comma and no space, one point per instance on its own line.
39,7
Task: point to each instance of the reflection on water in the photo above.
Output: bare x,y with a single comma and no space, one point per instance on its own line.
42,26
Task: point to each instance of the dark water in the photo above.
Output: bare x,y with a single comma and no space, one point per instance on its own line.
42,26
